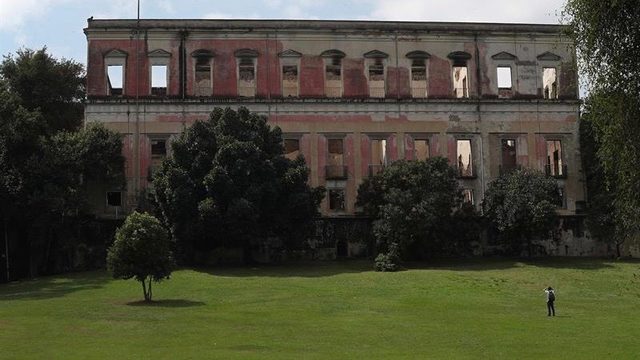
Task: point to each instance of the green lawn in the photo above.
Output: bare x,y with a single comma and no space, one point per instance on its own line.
477,309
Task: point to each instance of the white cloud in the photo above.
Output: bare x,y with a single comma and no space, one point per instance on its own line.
522,11
14,13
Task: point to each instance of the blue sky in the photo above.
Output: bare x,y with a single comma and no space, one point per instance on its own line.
58,24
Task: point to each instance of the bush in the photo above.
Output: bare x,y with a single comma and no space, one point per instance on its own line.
388,261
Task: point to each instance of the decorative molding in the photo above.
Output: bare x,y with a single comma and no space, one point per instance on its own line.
246,53
459,55
116,53
289,54
549,56
202,53
418,54
333,53
159,53
504,56
375,54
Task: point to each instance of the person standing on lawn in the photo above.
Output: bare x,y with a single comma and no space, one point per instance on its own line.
551,298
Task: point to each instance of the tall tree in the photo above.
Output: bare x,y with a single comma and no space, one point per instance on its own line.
607,36
521,206
228,184
414,205
54,87
44,168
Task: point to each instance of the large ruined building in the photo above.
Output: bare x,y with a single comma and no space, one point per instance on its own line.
352,96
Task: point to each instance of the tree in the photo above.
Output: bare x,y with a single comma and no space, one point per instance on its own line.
55,88
521,206
607,38
141,250
413,204
45,169
228,185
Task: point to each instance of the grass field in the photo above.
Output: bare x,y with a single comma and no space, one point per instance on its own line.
481,309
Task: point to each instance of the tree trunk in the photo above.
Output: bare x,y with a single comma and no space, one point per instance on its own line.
150,292
618,245
144,290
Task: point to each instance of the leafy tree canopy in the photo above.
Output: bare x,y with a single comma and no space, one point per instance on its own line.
45,167
228,184
521,206
142,251
54,87
607,37
413,204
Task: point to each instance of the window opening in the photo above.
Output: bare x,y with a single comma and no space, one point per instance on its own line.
376,78
509,159
504,77
555,166
291,148
333,78
336,200
115,78
289,80
467,196
418,78
335,162
420,149
203,77
114,198
247,77
549,83
158,80
465,161
460,82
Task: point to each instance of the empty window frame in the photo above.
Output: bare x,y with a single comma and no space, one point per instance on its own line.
464,158
378,152
158,153
460,82
460,73
504,77
335,168
467,196
115,79
376,78
335,149
509,158
549,83
418,78
247,76
333,77
555,166
114,198
291,148
421,149
159,72
337,200
115,72
290,80
203,84
159,77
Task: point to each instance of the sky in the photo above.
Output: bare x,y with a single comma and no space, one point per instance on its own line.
58,24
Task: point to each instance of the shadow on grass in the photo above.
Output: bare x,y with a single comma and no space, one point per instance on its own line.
168,303
484,264
295,269
331,268
53,286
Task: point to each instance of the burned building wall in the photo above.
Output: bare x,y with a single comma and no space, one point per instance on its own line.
435,84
